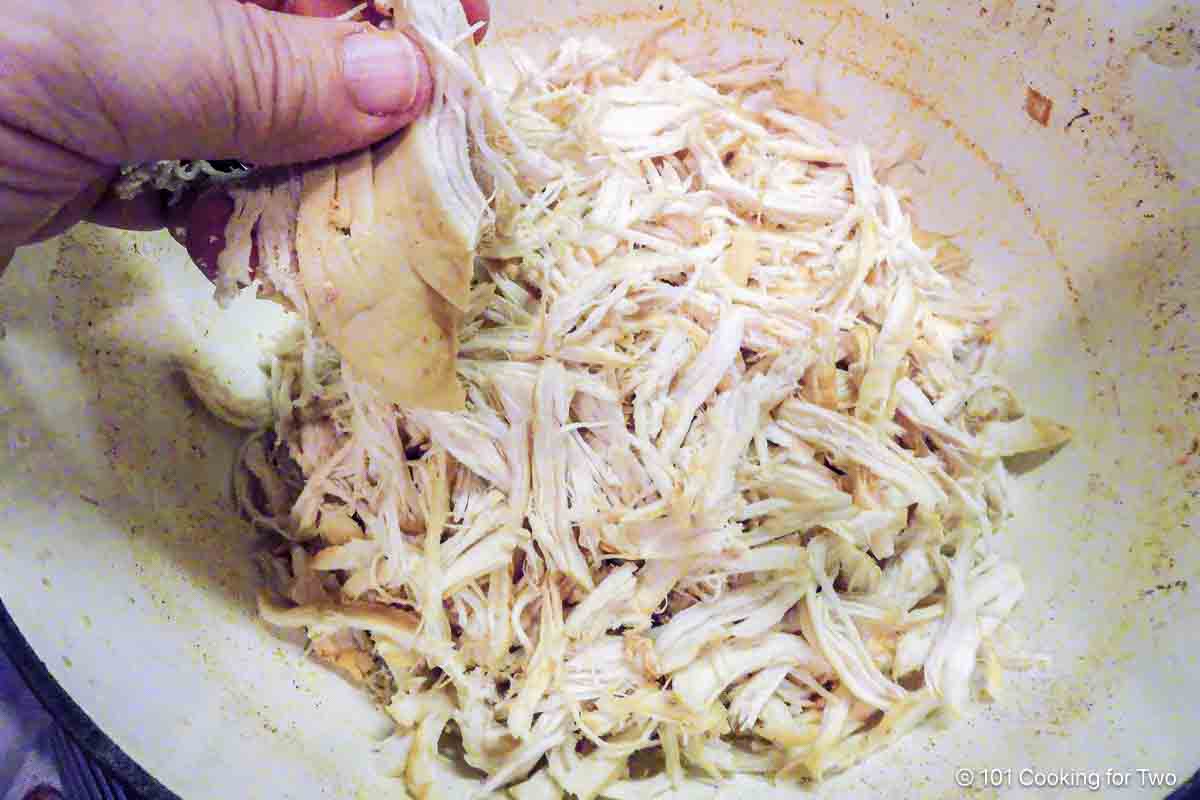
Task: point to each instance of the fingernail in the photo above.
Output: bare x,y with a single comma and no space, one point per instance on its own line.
384,72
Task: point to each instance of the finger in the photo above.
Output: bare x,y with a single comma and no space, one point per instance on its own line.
40,181
145,211
241,82
75,210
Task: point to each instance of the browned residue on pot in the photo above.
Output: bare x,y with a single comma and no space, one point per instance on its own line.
1038,106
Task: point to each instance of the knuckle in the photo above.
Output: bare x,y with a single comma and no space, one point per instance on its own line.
274,83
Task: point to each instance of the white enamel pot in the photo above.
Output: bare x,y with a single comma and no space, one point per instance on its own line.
125,575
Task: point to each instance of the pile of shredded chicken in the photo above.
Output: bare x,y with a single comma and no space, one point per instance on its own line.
726,482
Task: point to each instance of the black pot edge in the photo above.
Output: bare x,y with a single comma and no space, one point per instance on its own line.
1189,790
73,719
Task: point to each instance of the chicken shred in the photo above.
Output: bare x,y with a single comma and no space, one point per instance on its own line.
728,469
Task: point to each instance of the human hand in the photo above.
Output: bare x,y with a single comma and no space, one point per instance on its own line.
87,87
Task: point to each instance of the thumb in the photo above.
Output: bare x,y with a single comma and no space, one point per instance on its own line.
219,79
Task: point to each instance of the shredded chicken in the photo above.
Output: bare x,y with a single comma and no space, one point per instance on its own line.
376,249
729,468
